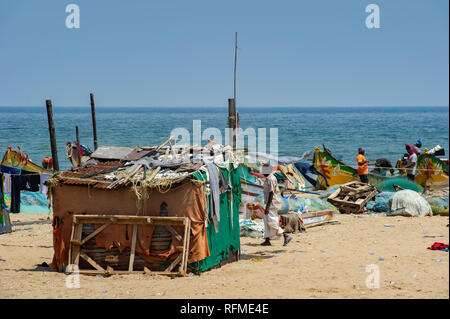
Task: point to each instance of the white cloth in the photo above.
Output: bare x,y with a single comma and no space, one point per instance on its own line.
271,185
7,185
412,159
43,187
410,203
272,227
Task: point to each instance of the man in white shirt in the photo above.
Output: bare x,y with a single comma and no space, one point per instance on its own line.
411,165
274,202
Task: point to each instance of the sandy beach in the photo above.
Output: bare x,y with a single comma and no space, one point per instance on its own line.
328,261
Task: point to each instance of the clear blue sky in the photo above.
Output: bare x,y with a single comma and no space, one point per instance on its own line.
180,53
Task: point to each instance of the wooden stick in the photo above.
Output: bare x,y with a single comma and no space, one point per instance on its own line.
91,261
174,263
94,233
133,248
94,123
78,146
175,233
51,129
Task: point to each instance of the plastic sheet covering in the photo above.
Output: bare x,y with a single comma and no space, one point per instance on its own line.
251,228
410,203
31,203
303,204
381,203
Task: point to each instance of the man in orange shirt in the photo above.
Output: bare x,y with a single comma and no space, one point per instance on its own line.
363,166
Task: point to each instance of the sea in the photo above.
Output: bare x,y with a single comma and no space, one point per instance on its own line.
289,131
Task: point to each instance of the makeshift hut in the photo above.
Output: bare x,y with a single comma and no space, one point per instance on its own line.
150,209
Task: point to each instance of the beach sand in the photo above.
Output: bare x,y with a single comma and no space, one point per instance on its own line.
325,262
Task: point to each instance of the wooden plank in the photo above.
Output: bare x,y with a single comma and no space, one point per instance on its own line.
174,263
94,233
76,249
340,201
126,272
71,239
175,233
335,193
187,236
147,271
110,270
133,248
91,262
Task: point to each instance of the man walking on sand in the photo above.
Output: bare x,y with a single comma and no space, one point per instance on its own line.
273,201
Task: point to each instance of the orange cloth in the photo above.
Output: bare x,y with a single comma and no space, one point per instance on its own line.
363,169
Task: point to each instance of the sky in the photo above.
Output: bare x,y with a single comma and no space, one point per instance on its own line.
181,53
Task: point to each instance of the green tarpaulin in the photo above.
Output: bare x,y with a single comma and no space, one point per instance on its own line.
228,236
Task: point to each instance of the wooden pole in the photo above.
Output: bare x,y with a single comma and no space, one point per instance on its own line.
78,146
94,123
235,62
232,121
51,129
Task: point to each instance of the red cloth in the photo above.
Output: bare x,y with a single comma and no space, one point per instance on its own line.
438,246
412,149
258,175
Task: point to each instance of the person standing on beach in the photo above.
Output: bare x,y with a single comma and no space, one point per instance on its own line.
418,146
363,166
273,201
411,165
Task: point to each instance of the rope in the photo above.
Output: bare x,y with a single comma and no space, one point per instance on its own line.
397,168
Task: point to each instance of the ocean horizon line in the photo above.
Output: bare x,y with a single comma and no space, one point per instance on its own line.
206,106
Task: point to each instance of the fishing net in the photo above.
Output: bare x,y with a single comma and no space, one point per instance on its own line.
251,228
380,204
438,201
388,185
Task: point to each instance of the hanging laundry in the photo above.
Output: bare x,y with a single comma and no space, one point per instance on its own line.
10,170
43,179
15,194
30,181
7,182
215,192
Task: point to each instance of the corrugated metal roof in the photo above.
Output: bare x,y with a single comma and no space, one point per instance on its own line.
111,152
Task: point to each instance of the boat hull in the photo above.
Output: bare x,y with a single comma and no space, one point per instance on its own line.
17,160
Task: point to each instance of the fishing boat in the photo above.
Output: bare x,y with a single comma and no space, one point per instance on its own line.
17,160
432,172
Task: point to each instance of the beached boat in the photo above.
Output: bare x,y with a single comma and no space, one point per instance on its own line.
17,160
432,172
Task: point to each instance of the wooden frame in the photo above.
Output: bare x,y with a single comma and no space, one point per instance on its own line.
351,198
76,242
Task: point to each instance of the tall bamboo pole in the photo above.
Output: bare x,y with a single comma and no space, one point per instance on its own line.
94,123
51,129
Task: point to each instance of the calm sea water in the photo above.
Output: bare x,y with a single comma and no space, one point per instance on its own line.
382,131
